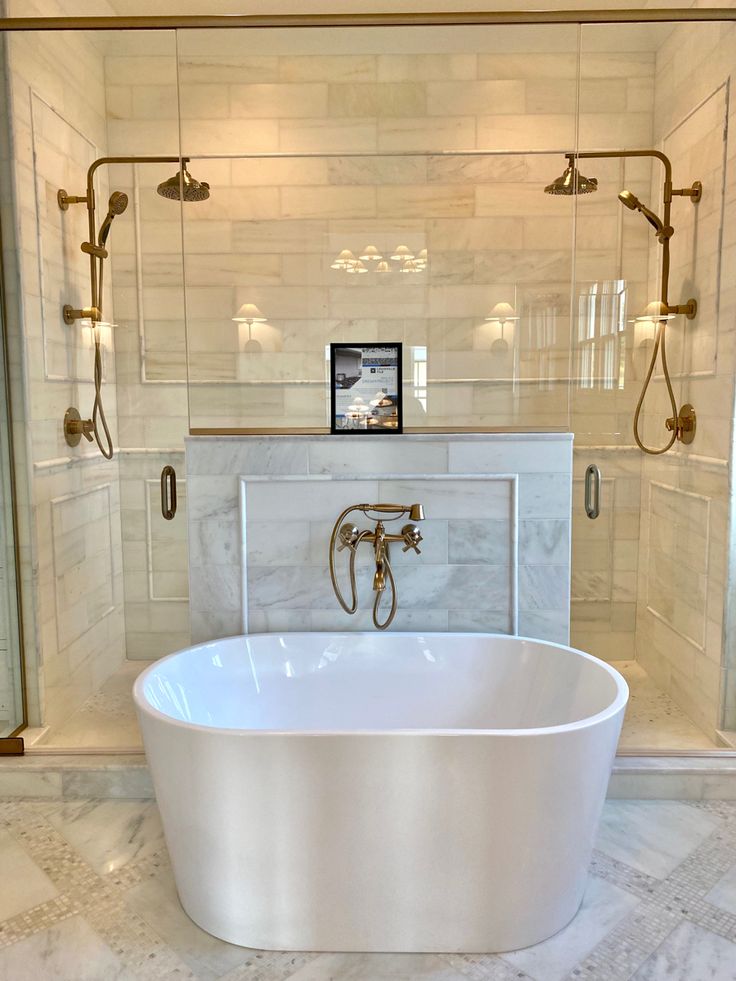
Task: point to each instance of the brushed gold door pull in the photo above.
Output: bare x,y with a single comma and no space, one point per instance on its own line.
168,492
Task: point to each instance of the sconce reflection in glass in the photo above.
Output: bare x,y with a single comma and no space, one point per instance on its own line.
502,314
247,315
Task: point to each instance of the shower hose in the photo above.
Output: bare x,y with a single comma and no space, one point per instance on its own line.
660,345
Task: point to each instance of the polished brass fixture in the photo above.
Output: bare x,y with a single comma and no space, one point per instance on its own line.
681,423
571,181
350,537
181,187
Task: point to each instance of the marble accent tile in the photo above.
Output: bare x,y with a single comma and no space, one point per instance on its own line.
14,784
653,836
109,834
121,784
723,893
604,905
31,886
474,541
690,952
67,950
543,587
356,456
155,900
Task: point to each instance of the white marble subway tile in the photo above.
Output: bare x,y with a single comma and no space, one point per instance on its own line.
453,498
212,497
483,621
553,625
543,587
456,587
245,456
377,455
544,541
377,967
216,541
210,624
279,542
544,495
325,499
476,541
288,587
215,587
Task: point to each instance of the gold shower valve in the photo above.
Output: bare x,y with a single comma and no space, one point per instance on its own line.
687,424
75,427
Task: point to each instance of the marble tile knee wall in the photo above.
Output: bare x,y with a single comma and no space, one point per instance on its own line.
496,554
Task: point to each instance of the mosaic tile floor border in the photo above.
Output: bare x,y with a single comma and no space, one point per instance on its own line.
661,904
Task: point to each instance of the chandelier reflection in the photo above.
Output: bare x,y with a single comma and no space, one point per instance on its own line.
371,260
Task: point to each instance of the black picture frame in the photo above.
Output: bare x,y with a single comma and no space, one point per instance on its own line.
354,368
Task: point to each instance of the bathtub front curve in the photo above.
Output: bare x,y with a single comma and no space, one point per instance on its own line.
365,792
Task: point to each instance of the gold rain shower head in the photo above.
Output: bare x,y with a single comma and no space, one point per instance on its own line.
182,186
571,181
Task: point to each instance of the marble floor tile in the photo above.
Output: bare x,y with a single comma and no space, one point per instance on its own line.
690,953
604,905
652,836
155,900
107,833
377,967
68,951
22,883
723,893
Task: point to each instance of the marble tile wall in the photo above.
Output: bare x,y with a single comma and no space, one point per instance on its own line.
497,531
272,227
682,573
71,542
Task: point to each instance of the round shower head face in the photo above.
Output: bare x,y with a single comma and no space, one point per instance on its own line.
629,200
118,203
182,186
572,182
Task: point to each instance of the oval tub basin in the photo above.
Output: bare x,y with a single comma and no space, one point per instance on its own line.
380,792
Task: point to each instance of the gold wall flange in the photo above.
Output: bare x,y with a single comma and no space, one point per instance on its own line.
688,309
75,427
694,192
687,424
64,199
70,314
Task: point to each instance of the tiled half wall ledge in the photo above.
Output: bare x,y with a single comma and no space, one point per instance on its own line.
496,549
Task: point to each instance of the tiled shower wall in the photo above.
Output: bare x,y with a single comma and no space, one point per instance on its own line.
272,227
71,550
684,535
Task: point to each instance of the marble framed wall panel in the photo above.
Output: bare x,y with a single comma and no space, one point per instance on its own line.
496,554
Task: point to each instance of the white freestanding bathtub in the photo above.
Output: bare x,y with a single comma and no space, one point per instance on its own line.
380,792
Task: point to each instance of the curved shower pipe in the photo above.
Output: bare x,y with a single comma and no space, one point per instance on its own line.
74,427
689,309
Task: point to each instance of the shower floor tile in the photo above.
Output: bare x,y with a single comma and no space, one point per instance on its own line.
653,721
108,909
106,720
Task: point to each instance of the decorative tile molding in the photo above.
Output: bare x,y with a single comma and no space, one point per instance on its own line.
497,533
82,542
678,544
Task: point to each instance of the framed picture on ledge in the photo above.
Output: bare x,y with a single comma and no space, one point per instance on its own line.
365,388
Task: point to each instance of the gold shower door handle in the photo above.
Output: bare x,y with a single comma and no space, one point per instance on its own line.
592,491
168,492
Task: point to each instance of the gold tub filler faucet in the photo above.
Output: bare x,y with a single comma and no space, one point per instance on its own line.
350,537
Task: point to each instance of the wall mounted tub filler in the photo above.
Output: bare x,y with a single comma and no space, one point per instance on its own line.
350,537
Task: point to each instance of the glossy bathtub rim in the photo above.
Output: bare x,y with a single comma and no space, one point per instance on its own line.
617,706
